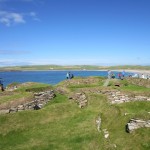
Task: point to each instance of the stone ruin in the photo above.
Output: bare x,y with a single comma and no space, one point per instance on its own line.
39,100
106,133
98,122
134,124
80,99
116,97
42,98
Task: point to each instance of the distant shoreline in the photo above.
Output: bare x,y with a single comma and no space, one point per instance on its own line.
139,71
116,70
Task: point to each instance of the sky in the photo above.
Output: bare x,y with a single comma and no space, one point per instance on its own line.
74,32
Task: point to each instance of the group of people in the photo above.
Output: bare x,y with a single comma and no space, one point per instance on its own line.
143,76
69,75
111,75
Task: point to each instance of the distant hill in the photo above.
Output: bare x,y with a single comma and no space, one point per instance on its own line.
73,67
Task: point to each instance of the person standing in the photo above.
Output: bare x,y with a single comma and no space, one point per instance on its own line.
71,76
143,77
113,76
68,75
123,73
119,75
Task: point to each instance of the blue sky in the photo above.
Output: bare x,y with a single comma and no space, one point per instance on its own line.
74,32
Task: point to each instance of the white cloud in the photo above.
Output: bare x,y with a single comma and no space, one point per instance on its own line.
34,16
10,18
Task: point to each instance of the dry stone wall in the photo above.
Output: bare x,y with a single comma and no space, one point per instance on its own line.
39,100
114,96
136,123
80,99
118,97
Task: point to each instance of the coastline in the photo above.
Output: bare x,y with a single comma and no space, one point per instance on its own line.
136,71
140,71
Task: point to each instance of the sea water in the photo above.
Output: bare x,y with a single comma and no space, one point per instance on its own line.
49,77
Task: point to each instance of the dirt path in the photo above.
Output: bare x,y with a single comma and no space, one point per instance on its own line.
106,82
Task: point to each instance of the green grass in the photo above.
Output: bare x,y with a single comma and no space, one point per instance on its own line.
84,85
34,87
62,125
54,127
79,82
136,107
135,88
13,97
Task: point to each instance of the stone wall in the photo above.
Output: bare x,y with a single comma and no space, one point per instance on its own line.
80,99
134,124
118,97
39,100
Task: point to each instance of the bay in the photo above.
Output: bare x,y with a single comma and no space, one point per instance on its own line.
49,77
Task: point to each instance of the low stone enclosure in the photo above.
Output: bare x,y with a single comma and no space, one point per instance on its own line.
39,100
114,96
